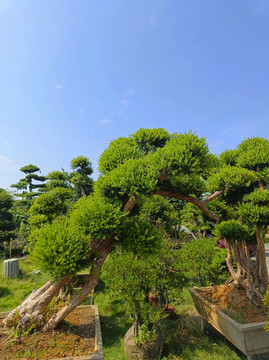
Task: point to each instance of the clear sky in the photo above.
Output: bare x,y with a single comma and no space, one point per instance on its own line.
76,74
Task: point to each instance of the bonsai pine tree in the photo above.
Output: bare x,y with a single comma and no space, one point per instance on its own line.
149,162
80,177
248,212
51,203
27,185
7,223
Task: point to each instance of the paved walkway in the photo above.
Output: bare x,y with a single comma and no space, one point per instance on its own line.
266,245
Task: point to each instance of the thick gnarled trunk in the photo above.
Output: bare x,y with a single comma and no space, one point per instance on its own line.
30,313
246,275
78,299
261,272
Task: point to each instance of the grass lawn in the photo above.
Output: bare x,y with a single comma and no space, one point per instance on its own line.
183,337
13,290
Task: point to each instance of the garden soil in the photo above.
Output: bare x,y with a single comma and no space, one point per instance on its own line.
74,336
234,303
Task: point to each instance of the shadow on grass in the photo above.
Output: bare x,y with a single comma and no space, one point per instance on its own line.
114,320
100,287
113,329
4,291
184,339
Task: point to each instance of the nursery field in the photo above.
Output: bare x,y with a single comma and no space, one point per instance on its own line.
183,336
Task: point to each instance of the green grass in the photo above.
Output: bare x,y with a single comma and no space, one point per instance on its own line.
184,339
13,290
114,322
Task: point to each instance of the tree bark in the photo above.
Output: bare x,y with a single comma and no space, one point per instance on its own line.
78,299
30,312
83,192
229,262
263,272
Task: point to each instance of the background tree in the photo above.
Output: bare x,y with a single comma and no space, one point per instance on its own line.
7,223
27,185
58,179
195,221
149,162
203,261
80,177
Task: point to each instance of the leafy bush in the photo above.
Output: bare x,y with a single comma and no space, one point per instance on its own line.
134,278
203,260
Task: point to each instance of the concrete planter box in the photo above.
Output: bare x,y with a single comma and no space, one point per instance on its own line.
98,353
250,338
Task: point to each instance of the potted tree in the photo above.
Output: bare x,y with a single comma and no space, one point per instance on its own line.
134,277
246,216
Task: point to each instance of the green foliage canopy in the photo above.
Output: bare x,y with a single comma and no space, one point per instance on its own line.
7,223
60,249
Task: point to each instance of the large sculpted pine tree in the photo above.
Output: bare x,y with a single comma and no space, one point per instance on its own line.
27,184
152,161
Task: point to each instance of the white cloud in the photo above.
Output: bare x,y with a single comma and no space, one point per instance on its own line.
124,102
60,87
7,164
5,142
153,21
105,121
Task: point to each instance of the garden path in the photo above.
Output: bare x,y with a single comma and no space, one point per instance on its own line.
267,255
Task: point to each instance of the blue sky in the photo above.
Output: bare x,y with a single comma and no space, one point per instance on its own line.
76,74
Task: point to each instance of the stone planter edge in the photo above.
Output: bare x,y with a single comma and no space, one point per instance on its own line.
244,338
98,353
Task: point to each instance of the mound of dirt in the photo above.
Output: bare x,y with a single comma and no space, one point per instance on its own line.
234,302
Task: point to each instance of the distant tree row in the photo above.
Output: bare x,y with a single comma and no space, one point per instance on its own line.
79,177
51,193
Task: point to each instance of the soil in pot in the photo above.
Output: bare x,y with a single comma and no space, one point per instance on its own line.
74,336
234,302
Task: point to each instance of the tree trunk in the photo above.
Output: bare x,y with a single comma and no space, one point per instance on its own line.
262,271
78,299
83,191
229,262
31,312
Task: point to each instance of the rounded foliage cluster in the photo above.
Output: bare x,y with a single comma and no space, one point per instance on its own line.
139,236
255,207
60,249
232,230
96,217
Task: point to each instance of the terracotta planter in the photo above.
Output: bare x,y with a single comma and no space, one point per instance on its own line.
250,338
168,310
